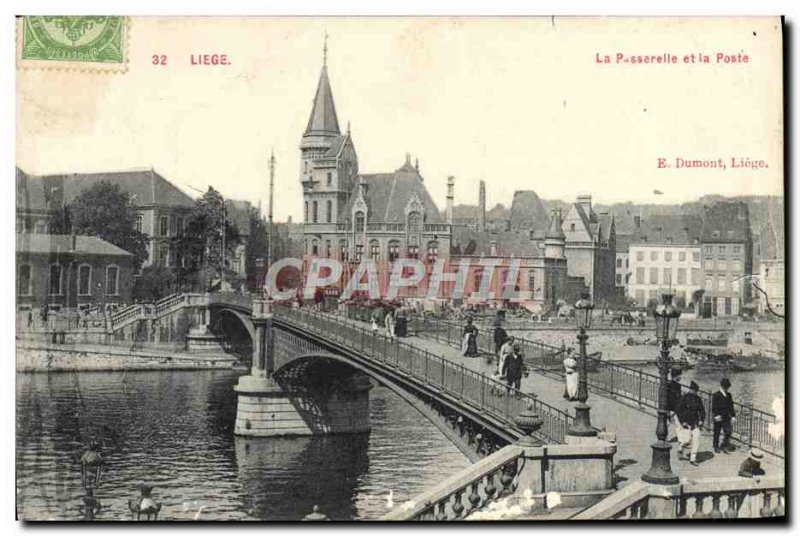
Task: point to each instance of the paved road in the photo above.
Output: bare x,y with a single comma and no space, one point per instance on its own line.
634,427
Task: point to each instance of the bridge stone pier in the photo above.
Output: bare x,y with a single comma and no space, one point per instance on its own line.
296,387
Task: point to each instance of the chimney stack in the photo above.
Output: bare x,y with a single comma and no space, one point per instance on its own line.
482,206
585,201
450,197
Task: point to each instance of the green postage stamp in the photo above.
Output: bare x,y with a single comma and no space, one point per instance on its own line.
84,42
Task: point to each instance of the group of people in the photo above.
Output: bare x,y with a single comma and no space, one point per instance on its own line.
510,362
394,322
688,414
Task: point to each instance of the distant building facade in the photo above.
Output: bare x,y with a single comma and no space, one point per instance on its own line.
772,280
542,278
727,257
68,271
664,256
591,247
350,215
622,272
162,208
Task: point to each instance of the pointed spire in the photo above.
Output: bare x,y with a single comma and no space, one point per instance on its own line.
554,231
323,120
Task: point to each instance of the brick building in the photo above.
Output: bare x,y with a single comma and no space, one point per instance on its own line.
67,271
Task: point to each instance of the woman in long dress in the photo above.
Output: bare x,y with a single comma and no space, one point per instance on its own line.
470,339
570,376
390,324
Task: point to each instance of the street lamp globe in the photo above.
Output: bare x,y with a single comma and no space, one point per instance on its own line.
583,312
666,316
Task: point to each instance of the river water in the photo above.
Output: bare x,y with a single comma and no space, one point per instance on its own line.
175,430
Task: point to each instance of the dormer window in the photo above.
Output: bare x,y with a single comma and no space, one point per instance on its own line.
715,234
360,222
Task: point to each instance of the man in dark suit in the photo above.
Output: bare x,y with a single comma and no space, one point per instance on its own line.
724,415
674,398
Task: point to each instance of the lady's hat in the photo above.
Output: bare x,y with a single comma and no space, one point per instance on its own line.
756,454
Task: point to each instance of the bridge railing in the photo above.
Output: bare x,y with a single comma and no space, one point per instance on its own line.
752,426
468,491
710,498
460,383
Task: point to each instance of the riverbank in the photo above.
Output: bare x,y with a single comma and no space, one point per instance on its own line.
34,356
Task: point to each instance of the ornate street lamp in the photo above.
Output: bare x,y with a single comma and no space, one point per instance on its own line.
583,422
666,316
91,471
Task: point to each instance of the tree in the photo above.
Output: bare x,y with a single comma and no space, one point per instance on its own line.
208,241
257,251
105,211
154,283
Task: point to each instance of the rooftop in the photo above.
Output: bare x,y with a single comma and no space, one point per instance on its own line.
50,244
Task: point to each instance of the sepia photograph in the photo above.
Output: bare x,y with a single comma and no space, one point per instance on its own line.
400,268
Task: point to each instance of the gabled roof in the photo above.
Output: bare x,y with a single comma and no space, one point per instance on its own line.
146,187
336,146
84,245
323,120
508,243
726,222
388,195
606,221
668,229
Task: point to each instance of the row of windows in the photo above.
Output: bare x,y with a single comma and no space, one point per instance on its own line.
724,284
639,296
722,265
393,250
722,250
655,255
315,212
658,276
55,281
163,225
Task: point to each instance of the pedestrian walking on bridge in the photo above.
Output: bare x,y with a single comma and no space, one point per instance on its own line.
514,367
690,414
724,416
673,399
570,376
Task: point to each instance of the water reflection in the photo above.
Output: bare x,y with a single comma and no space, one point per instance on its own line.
174,429
283,478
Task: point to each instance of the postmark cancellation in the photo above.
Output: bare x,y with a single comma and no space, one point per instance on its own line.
91,43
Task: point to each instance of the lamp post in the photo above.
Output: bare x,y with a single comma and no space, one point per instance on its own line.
666,316
583,422
91,471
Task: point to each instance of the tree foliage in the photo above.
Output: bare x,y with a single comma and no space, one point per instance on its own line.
107,212
207,230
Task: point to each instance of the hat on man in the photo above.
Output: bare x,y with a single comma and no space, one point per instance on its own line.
694,387
756,454
725,383
676,373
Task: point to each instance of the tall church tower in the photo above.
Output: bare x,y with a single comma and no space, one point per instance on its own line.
328,168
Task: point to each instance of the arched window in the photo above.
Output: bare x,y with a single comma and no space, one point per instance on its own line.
84,280
305,217
374,250
359,254
328,249
54,287
314,212
414,223
329,178
24,280
112,280
413,251
329,210
433,251
314,247
394,250
360,223
343,250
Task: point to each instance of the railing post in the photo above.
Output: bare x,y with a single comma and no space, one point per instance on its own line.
640,388
426,366
461,396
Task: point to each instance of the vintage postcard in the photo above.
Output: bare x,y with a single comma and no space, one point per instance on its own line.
402,269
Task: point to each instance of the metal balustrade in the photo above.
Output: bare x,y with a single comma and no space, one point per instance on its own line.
467,386
619,381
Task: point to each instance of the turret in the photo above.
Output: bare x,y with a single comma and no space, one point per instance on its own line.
554,238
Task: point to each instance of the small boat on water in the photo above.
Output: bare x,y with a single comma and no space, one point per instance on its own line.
716,359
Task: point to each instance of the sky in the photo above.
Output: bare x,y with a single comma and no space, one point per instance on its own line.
519,102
